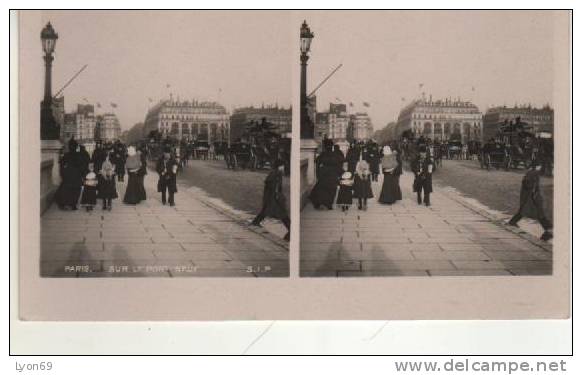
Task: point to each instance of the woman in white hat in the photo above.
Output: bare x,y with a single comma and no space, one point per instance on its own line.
390,168
132,164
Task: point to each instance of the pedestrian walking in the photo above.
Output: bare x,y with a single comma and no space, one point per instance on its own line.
363,184
89,194
72,177
390,185
119,157
106,189
422,168
141,173
373,159
274,201
345,194
167,169
327,173
133,193
98,156
531,203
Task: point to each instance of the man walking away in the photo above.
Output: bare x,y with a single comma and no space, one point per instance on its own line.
274,200
531,202
422,167
167,168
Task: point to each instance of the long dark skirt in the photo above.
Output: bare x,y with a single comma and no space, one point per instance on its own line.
89,197
345,195
390,189
323,192
106,188
141,188
132,193
67,195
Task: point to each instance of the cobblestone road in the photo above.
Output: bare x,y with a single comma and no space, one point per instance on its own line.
150,239
405,239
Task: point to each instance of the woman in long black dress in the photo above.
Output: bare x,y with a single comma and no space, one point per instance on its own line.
133,165
141,173
390,186
72,176
328,172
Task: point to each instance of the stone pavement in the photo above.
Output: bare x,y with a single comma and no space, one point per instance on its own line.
191,239
449,238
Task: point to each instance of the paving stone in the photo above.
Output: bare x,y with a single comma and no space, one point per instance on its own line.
158,241
472,273
450,255
478,265
407,265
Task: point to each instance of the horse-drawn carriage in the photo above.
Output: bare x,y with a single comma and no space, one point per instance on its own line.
496,155
240,155
200,149
454,150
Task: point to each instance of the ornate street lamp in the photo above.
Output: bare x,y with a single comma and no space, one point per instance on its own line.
307,128
49,129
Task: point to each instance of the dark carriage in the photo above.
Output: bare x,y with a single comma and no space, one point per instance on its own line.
454,149
519,141
220,149
200,149
240,155
496,155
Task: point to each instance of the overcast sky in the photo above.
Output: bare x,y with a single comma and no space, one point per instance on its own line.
133,55
505,56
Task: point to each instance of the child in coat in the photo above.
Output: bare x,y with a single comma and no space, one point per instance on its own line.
344,196
106,187
89,198
363,184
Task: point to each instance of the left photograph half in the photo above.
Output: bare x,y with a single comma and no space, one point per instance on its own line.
165,143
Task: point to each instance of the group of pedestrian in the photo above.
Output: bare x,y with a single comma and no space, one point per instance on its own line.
86,178
345,179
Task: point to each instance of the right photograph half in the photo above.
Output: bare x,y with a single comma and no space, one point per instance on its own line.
427,143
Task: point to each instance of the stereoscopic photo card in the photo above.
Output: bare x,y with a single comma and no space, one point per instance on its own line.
234,165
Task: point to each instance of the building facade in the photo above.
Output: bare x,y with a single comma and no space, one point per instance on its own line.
441,120
540,119
80,125
279,117
332,124
203,121
108,128
360,127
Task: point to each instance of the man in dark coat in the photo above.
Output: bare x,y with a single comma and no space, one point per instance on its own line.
422,167
531,202
274,202
99,155
328,171
119,157
167,168
353,156
372,156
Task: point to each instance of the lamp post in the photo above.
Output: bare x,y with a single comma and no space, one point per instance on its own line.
307,130
49,129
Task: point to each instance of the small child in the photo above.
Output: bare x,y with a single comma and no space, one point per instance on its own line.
363,184
89,198
344,197
106,187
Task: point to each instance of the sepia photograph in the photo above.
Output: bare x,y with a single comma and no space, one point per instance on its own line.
166,144
234,164
427,143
